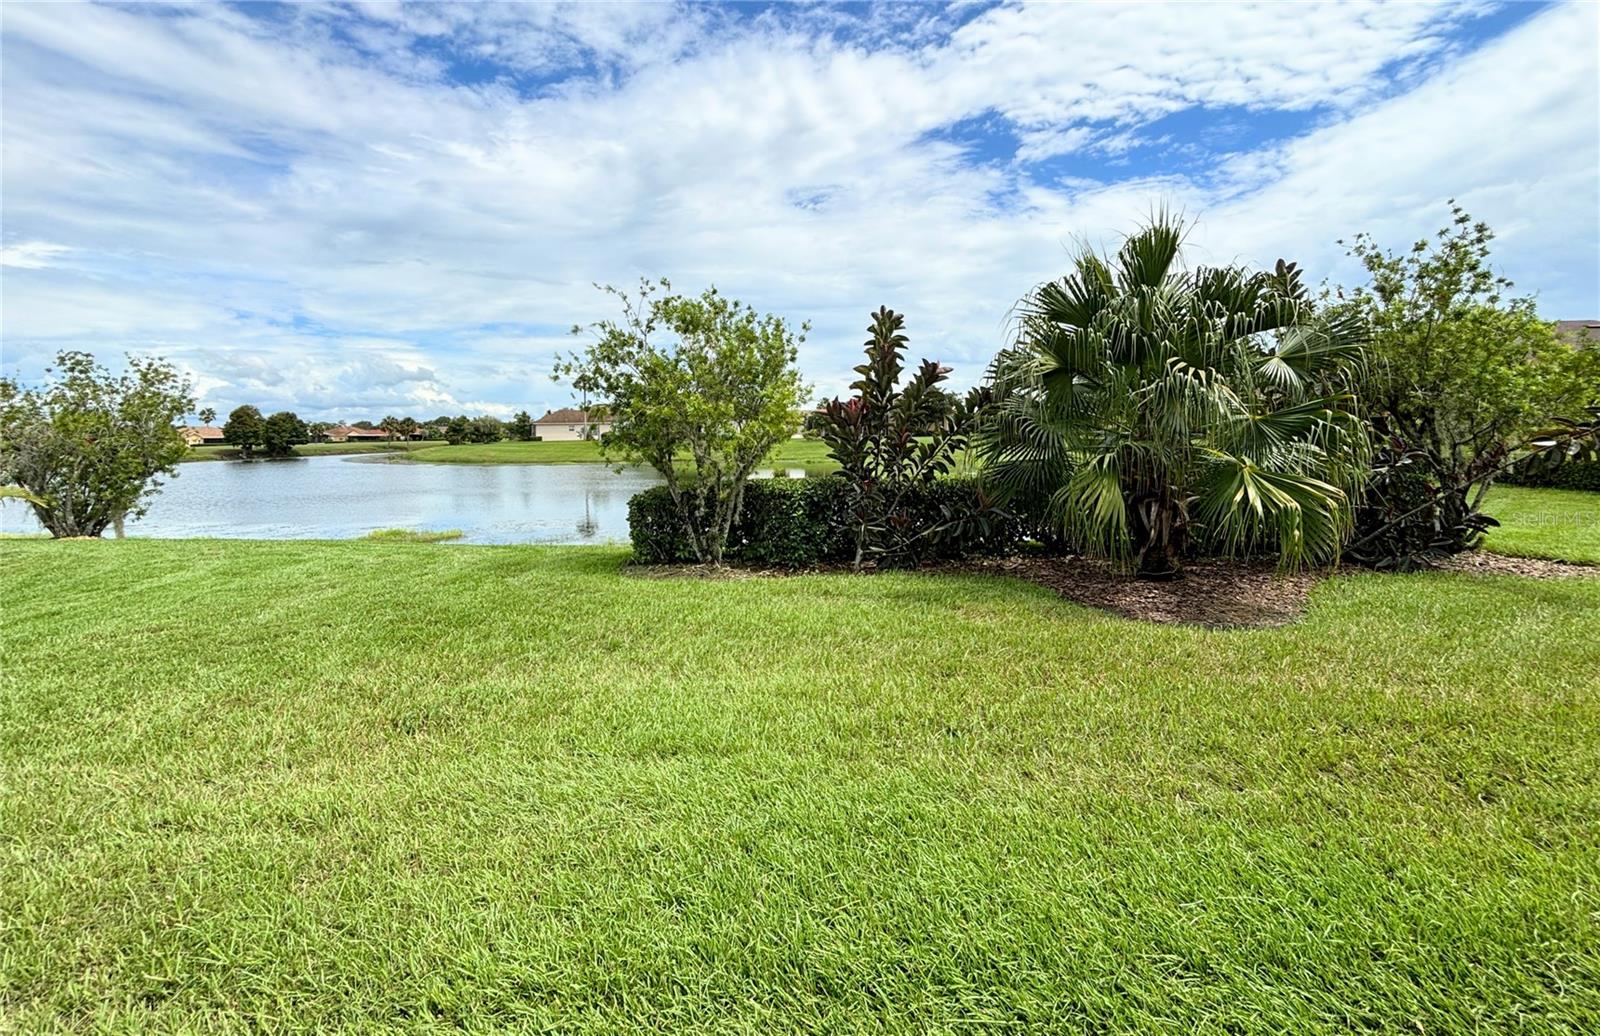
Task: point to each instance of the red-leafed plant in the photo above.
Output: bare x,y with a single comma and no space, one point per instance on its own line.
889,440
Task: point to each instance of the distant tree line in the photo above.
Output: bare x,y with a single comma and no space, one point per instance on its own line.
276,436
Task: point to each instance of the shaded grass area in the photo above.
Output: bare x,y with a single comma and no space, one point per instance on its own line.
1562,524
413,535
387,787
791,453
310,449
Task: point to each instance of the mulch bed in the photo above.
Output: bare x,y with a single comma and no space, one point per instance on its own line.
1481,562
1214,594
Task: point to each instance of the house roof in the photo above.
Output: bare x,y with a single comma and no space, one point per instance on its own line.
566,415
205,431
348,430
1578,331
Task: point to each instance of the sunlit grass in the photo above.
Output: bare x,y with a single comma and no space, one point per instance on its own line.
791,453
413,535
314,786
1563,524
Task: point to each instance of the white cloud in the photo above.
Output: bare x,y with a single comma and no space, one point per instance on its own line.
308,207
31,255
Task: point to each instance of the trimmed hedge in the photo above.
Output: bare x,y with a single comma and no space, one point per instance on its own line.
802,522
1581,475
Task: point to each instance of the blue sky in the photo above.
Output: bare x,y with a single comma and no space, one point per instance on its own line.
353,210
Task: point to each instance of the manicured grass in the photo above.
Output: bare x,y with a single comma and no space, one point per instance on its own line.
1563,524
413,535
307,786
312,449
791,453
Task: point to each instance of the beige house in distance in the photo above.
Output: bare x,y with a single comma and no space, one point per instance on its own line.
204,435
567,425
350,433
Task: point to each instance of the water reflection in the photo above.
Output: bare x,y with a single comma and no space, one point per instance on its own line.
344,497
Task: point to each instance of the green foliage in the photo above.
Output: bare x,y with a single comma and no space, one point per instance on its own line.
1584,475
704,407
86,448
458,430
521,427
399,428
246,429
891,441
485,429
1565,455
1149,412
282,432
1406,519
1462,379
207,415
801,523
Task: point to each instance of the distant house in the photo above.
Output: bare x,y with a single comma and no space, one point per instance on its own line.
204,435
350,433
1579,332
567,424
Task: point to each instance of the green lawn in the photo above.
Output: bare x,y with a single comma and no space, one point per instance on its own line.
792,453
313,449
378,786
1563,524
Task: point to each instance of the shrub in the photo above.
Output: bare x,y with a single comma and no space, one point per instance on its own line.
85,449
1584,476
701,389
891,442
1466,378
1407,519
801,523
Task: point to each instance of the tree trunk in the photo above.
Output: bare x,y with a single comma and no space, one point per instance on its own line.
1158,553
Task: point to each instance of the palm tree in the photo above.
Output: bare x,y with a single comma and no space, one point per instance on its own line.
1147,410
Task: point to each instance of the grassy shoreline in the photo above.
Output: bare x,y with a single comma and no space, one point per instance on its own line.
516,787
808,454
791,453
199,454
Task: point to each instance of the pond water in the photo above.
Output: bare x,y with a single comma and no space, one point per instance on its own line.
344,497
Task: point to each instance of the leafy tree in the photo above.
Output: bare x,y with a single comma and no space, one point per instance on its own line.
485,429
889,441
702,377
245,428
521,426
1462,378
1147,411
86,449
282,432
407,427
207,416
368,425
457,430
315,430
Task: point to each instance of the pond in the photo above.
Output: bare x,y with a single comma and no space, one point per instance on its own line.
344,497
